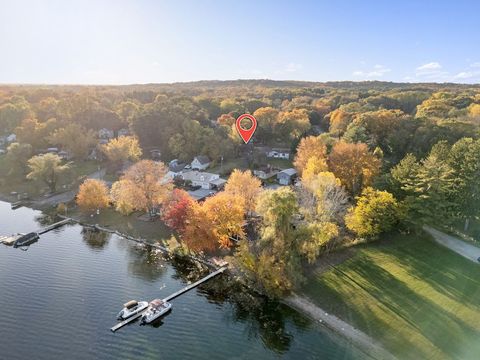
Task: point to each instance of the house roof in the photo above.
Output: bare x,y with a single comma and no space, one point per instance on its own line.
282,150
218,181
289,172
202,159
201,194
199,176
176,167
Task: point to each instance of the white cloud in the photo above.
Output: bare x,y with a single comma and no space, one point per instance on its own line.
466,75
475,64
293,67
377,72
431,66
432,71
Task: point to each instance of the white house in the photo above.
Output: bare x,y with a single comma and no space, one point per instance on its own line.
279,153
203,179
200,162
286,177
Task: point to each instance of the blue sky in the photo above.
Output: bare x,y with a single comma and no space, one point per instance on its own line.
122,42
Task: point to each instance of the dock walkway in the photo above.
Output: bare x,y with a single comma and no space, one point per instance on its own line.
171,297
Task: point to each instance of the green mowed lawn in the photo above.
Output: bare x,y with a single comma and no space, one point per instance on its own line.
420,300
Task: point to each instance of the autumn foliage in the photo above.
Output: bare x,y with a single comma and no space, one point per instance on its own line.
245,185
92,195
142,187
211,224
354,165
176,209
311,146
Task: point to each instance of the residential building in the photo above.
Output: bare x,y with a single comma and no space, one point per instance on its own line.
287,176
278,153
200,162
203,179
265,172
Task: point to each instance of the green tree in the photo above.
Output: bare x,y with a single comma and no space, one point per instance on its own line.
75,139
17,157
464,159
47,168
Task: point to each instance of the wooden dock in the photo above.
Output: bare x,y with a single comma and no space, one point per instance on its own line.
53,226
171,297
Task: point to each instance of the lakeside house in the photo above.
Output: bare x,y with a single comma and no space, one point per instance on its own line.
200,162
204,180
287,176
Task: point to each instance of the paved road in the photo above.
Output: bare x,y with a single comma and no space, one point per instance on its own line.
461,247
65,196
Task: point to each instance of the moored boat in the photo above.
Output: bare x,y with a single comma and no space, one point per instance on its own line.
156,309
26,239
131,308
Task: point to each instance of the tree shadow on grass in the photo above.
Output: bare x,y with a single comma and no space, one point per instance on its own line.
444,330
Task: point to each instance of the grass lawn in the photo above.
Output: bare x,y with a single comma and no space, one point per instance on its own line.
21,185
131,225
280,163
420,300
228,166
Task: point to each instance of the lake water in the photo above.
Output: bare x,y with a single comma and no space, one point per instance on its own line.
61,296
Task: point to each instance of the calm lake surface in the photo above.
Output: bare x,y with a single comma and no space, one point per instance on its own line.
60,298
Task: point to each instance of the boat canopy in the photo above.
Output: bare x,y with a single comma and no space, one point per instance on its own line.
157,303
131,304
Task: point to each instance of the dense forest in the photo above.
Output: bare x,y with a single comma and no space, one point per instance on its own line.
371,157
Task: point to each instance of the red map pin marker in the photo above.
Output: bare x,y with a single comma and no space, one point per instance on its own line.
246,134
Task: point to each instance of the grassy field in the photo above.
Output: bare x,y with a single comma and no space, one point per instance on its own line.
130,225
419,300
21,185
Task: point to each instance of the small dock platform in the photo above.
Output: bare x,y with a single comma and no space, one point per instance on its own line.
10,240
171,297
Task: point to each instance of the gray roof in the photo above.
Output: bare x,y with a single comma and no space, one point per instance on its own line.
198,176
218,181
201,194
202,159
289,172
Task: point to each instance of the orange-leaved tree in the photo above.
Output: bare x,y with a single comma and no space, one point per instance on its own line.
311,146
212,224
93,195
354,165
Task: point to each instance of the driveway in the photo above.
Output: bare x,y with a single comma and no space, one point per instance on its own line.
461,247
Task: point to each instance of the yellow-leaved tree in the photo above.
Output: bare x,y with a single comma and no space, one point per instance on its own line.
245,185
142,187
309,147
93,195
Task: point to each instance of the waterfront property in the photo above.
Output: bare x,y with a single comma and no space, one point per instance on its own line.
417,298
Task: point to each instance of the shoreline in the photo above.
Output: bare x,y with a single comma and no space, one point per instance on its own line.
301,304
358,338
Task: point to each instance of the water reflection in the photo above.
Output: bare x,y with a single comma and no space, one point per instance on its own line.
263,318
145,262
96,240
